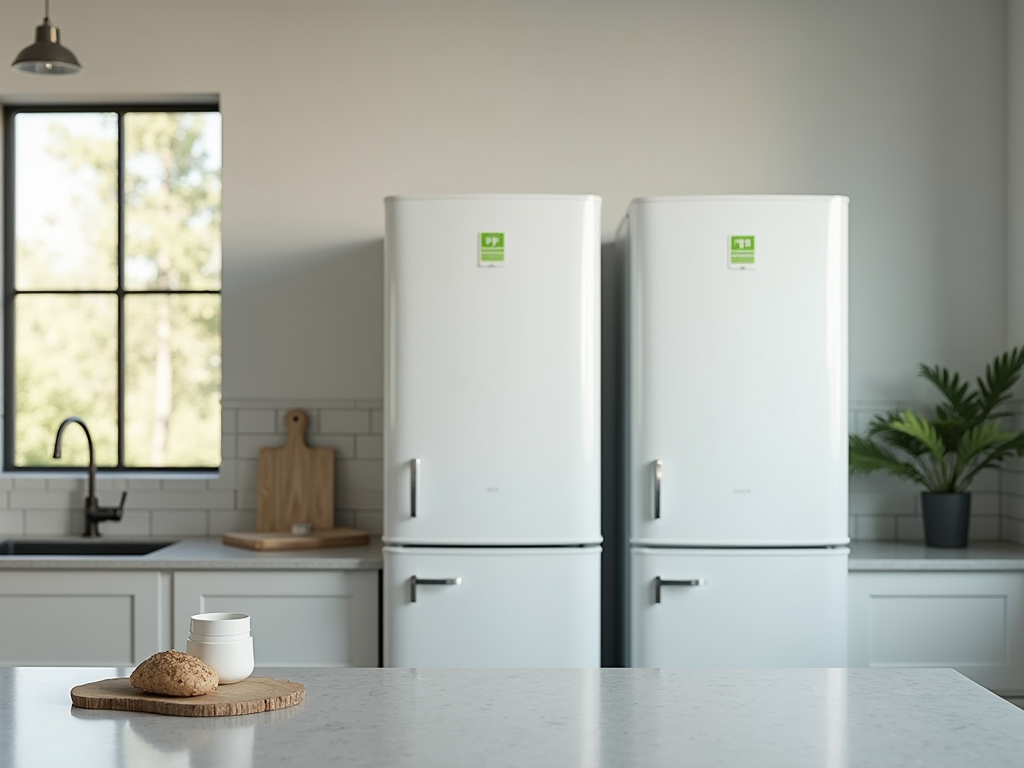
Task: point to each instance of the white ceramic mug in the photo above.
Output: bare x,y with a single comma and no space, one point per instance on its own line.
222,640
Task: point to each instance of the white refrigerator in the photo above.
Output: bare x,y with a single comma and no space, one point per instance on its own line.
492,528
735,392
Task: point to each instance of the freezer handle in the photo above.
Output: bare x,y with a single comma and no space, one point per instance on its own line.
657,489
660,582
415,581
413,486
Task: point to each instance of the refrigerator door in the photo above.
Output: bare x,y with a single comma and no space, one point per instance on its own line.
737,370
739,608
492,370
527,607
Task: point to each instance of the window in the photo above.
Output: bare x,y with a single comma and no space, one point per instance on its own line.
112,286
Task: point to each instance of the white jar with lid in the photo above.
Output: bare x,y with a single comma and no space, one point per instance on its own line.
223,641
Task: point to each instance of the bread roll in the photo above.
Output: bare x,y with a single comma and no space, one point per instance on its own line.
173,673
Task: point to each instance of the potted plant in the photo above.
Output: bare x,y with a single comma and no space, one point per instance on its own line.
944,453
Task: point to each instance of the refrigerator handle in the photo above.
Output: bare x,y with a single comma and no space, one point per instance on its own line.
660,582
414,581
657,489
415,475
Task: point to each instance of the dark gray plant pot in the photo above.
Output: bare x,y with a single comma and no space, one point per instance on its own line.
946,518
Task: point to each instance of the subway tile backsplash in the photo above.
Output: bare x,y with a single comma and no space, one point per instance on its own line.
881,508
208,504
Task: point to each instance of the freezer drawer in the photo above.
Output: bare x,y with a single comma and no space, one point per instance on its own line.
738,608
501,607
492,375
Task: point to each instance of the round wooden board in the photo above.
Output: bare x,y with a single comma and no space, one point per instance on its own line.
254,694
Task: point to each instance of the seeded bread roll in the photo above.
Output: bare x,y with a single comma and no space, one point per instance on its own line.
173,673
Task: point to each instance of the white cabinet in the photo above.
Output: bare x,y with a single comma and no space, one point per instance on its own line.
299,618
119,618
970,621
82,618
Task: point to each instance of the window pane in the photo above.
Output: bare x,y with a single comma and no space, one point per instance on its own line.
172,380
65,200
66,365
172,200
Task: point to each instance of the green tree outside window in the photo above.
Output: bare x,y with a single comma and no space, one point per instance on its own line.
113,285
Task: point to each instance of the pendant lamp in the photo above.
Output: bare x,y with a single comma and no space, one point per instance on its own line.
46,56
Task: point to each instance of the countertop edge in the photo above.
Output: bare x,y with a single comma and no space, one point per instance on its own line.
867,556
207,554
198,554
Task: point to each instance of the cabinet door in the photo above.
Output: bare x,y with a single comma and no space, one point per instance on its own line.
972,622
739,608
497,607
81,618
298,618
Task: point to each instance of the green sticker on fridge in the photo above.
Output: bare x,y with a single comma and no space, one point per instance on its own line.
741,252
491,249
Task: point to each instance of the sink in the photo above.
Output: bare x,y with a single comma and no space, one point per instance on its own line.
95,548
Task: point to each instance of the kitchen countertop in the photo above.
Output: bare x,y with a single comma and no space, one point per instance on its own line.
205,554
856,718
212,554
906,556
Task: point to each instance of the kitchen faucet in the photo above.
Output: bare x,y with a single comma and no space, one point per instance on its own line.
94,513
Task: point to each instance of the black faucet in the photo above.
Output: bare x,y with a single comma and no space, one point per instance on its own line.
94,513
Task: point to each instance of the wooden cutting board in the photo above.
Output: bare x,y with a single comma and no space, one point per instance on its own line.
295,483
333,537
254,694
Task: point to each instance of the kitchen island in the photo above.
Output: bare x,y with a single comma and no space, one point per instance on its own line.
818,718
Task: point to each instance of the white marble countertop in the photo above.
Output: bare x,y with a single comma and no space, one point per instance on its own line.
907,556
813,718
205,554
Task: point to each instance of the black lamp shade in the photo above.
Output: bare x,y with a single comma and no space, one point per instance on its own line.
46,56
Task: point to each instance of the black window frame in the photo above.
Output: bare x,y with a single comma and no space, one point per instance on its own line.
10,293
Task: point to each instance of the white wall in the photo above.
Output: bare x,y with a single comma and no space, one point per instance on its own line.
1013,479
329,106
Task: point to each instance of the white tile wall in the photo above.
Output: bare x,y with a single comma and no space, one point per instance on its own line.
208,504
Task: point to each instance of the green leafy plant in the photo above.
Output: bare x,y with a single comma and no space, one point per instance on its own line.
944,453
